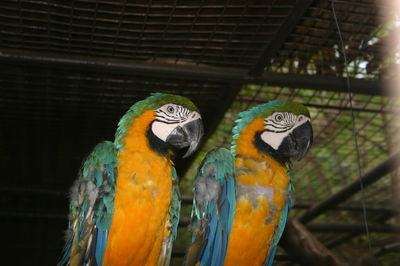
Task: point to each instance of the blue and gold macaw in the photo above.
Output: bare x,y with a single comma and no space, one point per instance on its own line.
242,226
125,204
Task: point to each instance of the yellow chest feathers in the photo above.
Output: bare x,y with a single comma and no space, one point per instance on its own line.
142,200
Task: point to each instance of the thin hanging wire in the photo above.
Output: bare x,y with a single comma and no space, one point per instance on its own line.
353,127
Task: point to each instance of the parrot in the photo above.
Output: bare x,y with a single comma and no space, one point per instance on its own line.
242,195
125,204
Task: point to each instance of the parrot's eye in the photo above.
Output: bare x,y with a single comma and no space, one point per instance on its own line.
278,117
170,109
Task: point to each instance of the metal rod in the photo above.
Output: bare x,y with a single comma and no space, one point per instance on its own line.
393,247
342,239
352,228
39,191
122,66
322,83
205,74
336,241
32,216
325,106
375,174
352,207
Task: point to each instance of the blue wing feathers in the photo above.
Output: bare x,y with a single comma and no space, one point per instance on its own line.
214,205
91,195
66,253
271,256
101,240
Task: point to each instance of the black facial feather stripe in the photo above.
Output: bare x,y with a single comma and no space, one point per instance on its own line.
162,112
168,118
180,115
167,122
288,117
283,124
275,131
182,112
277,126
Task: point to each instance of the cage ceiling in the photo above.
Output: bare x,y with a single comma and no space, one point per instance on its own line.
70,69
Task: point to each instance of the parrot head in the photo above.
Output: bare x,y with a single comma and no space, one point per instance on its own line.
278,128
175,124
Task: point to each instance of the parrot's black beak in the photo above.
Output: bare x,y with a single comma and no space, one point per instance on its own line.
297,143
301,138
188,135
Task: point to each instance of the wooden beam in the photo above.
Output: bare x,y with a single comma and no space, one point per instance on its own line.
304,248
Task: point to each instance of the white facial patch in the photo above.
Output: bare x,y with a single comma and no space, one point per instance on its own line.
162,130
280,125
169,116
273,139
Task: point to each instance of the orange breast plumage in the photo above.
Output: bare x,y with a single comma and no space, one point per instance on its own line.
142,200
